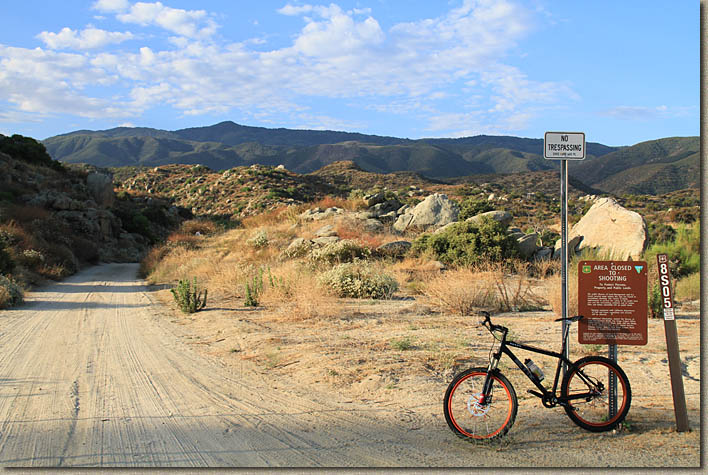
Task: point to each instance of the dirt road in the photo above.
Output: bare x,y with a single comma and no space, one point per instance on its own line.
92,375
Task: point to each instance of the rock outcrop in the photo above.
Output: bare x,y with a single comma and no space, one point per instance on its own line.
434,211
612,228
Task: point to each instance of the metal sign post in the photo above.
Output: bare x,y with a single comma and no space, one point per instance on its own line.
564,146
612,391
672,346
564,256
612,296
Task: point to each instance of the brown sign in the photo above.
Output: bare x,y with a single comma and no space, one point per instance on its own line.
612,296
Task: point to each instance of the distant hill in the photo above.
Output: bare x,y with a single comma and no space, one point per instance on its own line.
653,167
227,145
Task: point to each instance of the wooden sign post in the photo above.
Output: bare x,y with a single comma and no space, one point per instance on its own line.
672,346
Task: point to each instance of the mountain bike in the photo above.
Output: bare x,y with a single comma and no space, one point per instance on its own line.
480,403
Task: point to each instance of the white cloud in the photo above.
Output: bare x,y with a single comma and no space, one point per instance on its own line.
111,6
448,70
90,38
293,10
637,112
189,23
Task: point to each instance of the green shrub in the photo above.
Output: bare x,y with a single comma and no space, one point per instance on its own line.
339,252
188,296
260,240
660,233
31,258
10,293
29,150
467,244
402,344
655,302
472,207
549,238
254,289
683,251
359,279
6,263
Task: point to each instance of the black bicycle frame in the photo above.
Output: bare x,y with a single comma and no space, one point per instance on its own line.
503,349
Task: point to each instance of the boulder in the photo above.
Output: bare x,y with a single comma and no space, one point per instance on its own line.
374,199
298,248
612,228
380,209
434,211
543,254
573,244
527,245
503,217
100,185
326,231
323,241
372,225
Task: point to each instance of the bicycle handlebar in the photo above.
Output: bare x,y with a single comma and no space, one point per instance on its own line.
487,322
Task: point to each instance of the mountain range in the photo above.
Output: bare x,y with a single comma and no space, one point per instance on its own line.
653,167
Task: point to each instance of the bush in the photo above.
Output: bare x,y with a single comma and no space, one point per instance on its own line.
10,293
254,289
655,302
31,258
683,252
188,296
472,207
359,279
467,244
339,252
660,233
6,263
29,150
259,240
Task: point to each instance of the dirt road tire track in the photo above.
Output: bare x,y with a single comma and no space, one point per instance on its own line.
89,378
93,375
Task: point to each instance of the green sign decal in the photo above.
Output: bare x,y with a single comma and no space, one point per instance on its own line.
639,269
587,269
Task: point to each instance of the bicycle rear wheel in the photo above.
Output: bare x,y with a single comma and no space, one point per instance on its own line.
587,384
474,418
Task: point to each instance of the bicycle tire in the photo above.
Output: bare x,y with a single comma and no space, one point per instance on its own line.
476,422
592,413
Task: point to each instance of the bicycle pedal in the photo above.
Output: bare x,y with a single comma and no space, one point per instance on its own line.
535,393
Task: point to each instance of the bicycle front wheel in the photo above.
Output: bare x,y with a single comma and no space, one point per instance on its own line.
473,417
586,386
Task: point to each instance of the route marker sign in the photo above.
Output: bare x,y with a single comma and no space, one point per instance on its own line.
672,345
612,295
564,146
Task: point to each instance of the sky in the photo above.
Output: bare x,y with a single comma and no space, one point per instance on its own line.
622,72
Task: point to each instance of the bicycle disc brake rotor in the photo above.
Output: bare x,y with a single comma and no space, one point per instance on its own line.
476,408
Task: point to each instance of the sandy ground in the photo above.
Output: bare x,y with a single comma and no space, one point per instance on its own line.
101,371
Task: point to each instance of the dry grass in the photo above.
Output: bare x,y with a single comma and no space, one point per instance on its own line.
280,215
515,287
201,226
502,287
460,291
348,230
15,234
5,298
689,287
553,294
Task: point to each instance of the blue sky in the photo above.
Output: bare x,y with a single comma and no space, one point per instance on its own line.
622,72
